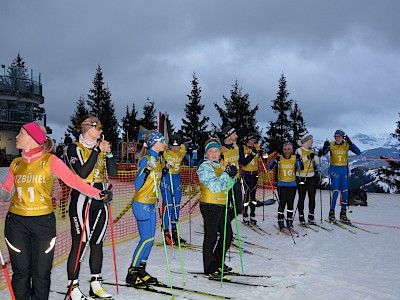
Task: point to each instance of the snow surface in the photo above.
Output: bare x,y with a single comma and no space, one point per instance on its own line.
321,265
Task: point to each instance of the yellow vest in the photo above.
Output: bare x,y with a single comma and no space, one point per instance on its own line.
287,168
150,189
213,198
253,165
339,154
175,157
308,165
98,169
231,157
34,185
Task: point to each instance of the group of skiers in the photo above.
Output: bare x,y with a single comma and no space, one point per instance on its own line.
225,193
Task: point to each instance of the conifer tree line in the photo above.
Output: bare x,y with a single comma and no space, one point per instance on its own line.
236,111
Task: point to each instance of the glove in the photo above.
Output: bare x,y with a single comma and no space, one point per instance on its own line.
348,140
298,157
106,196
260,153
311,156
164,171
231,170
151,164
277,158
169,164
320,153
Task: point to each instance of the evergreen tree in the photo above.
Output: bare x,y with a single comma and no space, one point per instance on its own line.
280,131
101,106
390,175
149,120
18,69
238,113
194,125
299,128
79,112
130,124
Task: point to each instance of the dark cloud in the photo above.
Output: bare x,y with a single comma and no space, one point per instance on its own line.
341,58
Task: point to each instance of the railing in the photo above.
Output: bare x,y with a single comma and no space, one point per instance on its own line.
21,87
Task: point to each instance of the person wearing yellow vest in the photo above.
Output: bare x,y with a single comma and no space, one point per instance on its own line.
339,173
213,179
252,154
287,165
145,199
90,158
171,188
30,226
306,181
230,155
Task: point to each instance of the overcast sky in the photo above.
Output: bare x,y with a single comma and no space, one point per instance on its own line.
341,58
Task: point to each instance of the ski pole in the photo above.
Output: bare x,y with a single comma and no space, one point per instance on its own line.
177,227
109,186
237,227
190,198
79,257
162,229
10,288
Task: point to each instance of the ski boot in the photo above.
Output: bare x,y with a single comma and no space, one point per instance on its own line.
76,293
146,277
289,223
228,270
175,237
96,288
167,238
281,224
132,276
253,220
332,216
311,219
302,220
343,217
246,219
217,276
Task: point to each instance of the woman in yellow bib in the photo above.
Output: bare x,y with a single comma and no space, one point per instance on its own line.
30,226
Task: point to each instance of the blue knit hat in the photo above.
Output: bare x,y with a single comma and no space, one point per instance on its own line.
153,138
212,144
340,132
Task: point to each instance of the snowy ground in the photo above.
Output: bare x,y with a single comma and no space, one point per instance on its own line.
321,265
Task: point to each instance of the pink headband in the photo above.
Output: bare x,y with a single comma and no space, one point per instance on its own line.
35,132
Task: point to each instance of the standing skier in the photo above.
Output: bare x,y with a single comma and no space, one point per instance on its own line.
171,188
339,171
90,159
147,184
213,185
230,155
287,165
252,154
306,182
30,226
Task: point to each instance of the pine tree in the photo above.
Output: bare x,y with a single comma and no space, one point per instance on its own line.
238,113
101,106
280,131
299,128
130,124
149,119
195,126
18,69
80,111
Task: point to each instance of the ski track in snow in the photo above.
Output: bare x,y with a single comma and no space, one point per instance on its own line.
337,264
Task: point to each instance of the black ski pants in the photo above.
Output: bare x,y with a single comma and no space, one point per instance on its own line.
235,192
214,221
306,185
30,242
250,189
286,197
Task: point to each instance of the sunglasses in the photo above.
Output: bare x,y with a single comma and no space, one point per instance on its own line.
97,126
161,140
